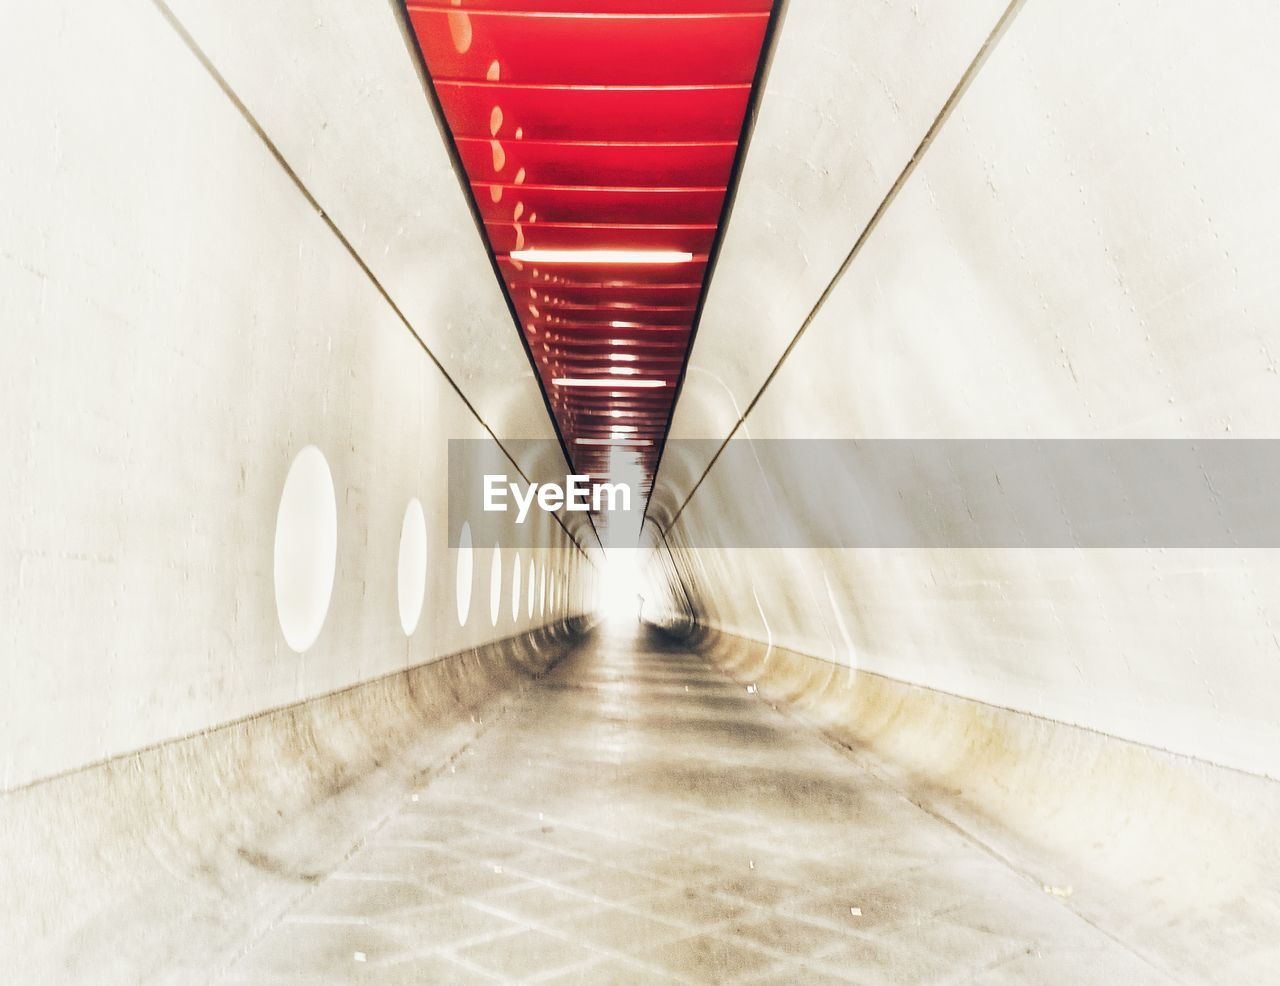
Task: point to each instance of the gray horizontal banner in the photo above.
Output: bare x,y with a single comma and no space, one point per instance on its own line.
913,493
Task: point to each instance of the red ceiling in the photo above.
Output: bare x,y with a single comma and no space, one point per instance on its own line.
599,125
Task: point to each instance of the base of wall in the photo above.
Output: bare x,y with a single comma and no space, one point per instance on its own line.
1175,858
160,866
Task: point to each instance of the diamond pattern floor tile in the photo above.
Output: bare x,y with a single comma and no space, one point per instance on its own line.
639,818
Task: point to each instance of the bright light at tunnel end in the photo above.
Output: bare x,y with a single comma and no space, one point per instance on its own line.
622,587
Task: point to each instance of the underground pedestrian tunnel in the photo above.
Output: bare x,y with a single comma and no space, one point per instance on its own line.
937,344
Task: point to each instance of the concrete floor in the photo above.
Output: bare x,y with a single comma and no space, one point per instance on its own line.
640,818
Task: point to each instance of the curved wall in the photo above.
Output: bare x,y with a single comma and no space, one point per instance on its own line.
228,233
1081,248
1052,222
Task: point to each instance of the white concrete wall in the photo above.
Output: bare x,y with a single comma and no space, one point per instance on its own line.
1086,249
180,321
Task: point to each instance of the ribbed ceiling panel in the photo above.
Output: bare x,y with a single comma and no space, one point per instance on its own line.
599,139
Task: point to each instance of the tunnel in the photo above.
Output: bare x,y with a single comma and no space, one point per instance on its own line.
640,491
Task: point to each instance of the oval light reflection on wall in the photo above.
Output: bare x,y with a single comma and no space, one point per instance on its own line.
516,571
411,575
495,585
466,563
306,549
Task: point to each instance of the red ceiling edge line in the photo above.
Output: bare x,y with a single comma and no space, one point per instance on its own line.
587,14
600,342
563,347
677,227
698,258
633,286
629,401
630,361
615,306
622,361
556,337
618,285
636,336
526,142
593,87
617,331
627,189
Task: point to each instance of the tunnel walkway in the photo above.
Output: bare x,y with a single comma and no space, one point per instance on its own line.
639,817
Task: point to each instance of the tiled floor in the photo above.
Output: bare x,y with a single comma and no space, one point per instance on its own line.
640,818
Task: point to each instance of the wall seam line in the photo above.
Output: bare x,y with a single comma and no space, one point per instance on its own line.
190,43
944,113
